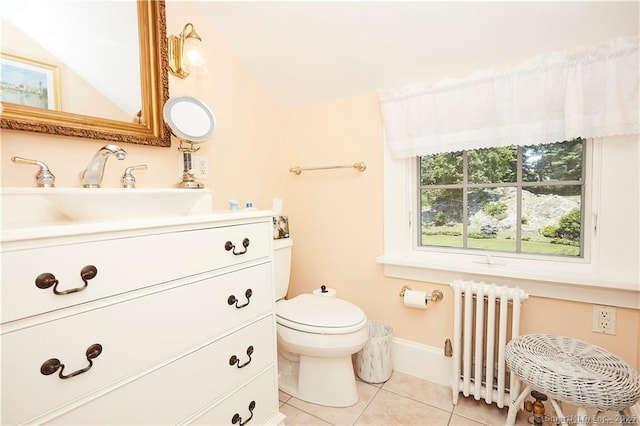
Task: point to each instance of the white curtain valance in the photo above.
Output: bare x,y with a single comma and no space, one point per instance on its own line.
588,93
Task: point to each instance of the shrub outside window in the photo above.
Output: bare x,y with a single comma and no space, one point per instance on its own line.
515,199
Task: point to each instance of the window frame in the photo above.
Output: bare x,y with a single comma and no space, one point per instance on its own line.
564,278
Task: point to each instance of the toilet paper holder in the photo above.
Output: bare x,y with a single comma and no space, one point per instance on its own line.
436,295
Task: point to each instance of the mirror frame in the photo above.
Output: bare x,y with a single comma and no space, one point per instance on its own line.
154,81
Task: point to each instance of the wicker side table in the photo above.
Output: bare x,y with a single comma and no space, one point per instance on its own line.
573,371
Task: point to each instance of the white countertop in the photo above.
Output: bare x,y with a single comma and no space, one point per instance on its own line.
49,230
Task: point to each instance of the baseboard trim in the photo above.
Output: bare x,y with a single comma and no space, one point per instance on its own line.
429,363
423,361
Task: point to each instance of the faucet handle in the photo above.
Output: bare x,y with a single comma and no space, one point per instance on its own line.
44,177
127,179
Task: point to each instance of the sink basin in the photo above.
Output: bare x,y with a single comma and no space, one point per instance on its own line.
44,206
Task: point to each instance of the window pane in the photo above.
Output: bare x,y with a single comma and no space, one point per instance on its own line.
492,219
493,165
441,217
520,199
553,161
441,169
551,222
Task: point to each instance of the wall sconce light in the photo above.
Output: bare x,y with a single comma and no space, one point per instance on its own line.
185,53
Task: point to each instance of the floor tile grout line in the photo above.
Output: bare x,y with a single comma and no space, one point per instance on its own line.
419,401
450,418
309,414
368,403
376,393
354,422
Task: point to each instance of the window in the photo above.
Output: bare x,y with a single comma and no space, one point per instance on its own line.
450,223
515,199
606,272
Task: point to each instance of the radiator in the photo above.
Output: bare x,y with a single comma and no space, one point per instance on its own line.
486,318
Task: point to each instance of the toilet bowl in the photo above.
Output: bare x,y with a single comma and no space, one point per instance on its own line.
317,335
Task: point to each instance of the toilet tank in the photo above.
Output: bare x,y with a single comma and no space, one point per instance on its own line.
282,266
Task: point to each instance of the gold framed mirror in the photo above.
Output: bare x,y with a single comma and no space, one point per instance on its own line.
147,128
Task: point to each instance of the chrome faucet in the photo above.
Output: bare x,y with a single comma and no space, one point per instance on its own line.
44,178
92,176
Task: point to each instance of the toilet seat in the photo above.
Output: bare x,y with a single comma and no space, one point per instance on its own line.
320,315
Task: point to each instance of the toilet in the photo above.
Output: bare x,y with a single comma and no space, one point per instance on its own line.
317,335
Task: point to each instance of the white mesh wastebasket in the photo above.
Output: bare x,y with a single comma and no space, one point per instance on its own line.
373,363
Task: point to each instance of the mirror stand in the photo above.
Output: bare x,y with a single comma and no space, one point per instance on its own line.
188,179
191,122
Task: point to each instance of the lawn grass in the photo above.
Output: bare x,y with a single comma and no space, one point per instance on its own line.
507,245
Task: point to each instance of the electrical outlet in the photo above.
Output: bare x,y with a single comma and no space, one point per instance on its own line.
200,164
604,319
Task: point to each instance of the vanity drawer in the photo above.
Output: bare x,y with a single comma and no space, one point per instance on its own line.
134,334
205,375
122,264
260,392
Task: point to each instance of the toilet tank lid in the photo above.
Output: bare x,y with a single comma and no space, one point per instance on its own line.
315,311
282,243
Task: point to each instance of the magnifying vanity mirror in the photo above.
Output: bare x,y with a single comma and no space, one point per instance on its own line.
192,122
35,36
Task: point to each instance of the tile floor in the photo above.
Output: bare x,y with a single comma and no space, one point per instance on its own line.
401,400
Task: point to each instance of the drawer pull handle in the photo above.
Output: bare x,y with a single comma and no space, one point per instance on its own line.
237,419
47,280
52,365
232,299
235,360
228,246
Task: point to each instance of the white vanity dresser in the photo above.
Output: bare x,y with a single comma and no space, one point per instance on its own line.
163,321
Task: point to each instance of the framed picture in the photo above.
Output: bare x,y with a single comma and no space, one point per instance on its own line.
28,82
280,227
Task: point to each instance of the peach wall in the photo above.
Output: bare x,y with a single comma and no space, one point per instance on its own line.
336,222
242,154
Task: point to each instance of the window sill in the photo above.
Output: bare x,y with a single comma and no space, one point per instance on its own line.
579,284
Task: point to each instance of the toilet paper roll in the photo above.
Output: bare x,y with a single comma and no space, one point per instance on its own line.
415,299
330,292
